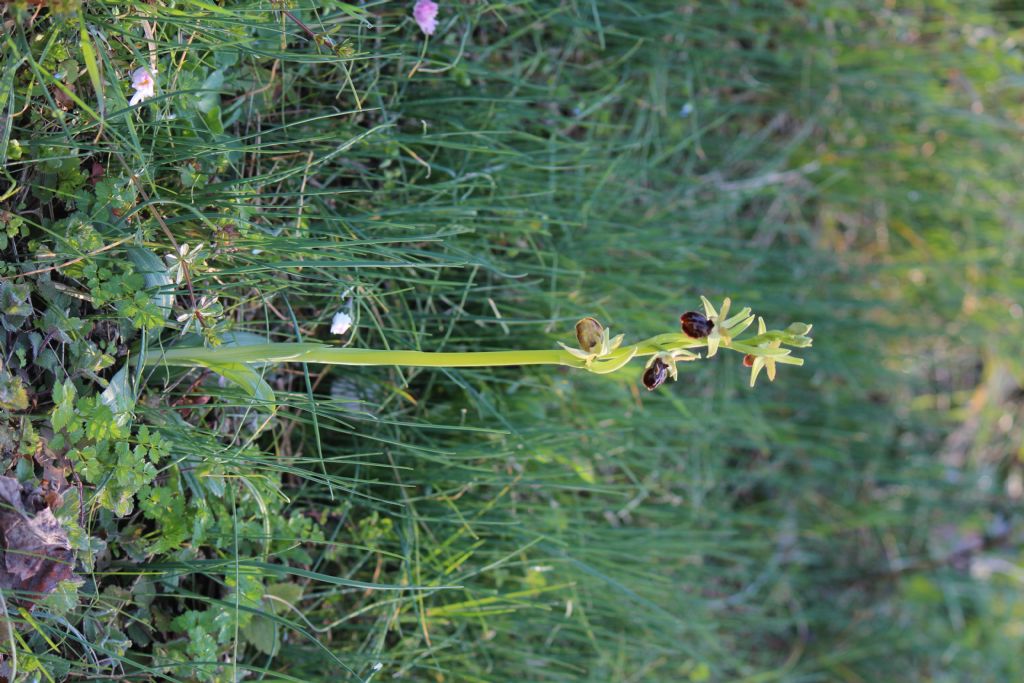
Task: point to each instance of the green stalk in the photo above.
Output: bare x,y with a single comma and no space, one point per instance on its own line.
235,363
321,353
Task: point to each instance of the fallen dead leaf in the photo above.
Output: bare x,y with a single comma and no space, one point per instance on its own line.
36,553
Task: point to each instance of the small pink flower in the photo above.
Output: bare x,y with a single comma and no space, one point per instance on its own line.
144,85
425,14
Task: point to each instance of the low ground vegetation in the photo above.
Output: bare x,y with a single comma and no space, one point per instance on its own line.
223,172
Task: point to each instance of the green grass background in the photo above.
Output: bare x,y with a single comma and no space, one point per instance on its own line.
855,165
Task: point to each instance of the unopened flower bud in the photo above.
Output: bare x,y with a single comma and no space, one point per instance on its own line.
696,325
589,333
748,360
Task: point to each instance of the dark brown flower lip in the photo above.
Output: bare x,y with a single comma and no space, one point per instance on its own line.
748,360
696,325
655,374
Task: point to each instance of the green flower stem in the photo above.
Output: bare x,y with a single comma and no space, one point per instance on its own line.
330,355
598,353
321,353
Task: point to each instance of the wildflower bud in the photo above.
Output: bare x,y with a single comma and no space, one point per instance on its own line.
655,374
748,360
696,324
589,333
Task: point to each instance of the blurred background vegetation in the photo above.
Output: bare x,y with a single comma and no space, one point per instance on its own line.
855,165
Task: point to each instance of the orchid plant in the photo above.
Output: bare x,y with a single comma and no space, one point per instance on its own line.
597,351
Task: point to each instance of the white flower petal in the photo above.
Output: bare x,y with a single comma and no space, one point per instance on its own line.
144,86
341,322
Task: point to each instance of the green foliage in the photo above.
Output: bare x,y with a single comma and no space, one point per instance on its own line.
532,164
12,392
63,405
15,307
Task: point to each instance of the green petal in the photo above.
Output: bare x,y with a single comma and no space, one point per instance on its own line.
755,370
709,310
714,339
726,303
738,327
772,351
738,317
582,355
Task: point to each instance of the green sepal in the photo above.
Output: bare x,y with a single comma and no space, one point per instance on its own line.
608,366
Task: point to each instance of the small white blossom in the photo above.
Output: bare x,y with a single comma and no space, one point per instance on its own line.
185,258
341,322
207,310
144,85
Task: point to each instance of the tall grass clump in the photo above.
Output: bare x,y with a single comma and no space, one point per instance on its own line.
245,177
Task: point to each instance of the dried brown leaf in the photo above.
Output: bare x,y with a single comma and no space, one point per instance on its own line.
36,552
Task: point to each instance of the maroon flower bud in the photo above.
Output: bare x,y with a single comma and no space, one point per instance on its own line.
655,374
748,360
696,324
